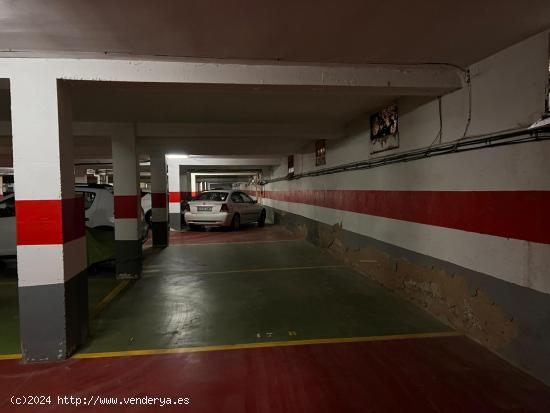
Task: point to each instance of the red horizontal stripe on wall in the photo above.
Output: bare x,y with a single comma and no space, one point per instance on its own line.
46,222
181,196
158,200
521,215
174,197
126,206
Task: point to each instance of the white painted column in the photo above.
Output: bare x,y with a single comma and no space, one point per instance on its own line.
175,195
51,242
159,200
127,202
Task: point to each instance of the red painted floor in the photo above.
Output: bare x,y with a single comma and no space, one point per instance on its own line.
220,235
423,375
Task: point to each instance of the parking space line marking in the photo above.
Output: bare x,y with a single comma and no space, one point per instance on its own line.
313,267
109,297
266,345
269,344
184,244
10,356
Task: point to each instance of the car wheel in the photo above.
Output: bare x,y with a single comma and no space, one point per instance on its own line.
236,222
194,227
261,221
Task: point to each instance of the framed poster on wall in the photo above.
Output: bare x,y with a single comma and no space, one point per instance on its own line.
384,131
320,149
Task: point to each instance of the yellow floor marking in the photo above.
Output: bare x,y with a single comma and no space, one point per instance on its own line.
265,345
314,267
252,345
109,297
10,356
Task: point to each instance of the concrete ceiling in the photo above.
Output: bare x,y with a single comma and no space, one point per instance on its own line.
352,31
194,103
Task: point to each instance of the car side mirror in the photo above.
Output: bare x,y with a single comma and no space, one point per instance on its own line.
254,201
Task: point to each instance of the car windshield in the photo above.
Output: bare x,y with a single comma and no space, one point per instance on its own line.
212,196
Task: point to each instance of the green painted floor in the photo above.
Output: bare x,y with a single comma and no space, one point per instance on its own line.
99,286
233,293
199,295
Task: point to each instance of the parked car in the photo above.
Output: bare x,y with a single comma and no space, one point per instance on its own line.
98,210
223,209
146,205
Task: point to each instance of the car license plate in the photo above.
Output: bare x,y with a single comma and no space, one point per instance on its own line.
204,208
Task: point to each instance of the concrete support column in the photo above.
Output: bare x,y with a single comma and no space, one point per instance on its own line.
51,242
159,201
127,202
174,188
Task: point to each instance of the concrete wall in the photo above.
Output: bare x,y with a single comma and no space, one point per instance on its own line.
463,235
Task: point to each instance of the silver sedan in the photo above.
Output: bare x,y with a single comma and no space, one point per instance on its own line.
223,209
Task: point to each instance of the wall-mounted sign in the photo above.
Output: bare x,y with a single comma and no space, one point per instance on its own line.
384,133
290,165
320,149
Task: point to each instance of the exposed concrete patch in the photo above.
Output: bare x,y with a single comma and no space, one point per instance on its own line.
445,295
299,230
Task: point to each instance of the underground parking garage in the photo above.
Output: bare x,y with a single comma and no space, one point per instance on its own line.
260,208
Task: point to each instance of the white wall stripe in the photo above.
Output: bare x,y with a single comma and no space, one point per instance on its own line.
174,207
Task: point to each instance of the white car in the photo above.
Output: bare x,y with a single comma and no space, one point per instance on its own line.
223,209
147,206
98,210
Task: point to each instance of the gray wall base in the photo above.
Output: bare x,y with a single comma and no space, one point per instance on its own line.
177,221
128,258
160,234
53,319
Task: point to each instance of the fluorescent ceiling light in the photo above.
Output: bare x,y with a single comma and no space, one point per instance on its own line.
176,156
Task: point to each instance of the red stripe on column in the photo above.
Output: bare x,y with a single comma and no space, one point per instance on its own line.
47,222
175,197
126,206
512,214
158,199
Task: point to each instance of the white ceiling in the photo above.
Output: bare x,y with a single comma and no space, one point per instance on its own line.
353,31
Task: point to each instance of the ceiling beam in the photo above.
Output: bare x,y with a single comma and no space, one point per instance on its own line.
435,79
206,130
